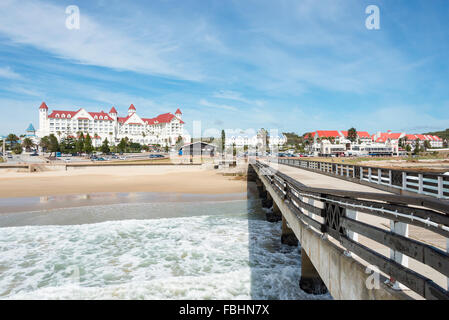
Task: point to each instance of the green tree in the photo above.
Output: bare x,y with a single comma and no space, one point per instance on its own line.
427,144
352,134
105,147
17,149
417,148
44,143
88,147
408,148
223,141
68,145
12,139
27,143
234,150
122,145
53,143
79,145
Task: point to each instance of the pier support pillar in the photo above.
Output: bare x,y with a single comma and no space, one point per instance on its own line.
275,215
267,202
310,281
288,236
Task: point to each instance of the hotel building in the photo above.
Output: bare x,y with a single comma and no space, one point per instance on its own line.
334,142
163,129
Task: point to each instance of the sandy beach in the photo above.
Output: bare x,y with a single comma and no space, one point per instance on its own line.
177,179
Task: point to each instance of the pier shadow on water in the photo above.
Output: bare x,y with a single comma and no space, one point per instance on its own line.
275,267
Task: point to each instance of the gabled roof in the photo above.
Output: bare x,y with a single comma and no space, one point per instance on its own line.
113,110
30,128
162,118
131,107
43,106
101,116
59,113
327,133
178,111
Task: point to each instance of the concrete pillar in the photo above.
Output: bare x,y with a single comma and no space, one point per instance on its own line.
310,280
267,200
275,215
288,236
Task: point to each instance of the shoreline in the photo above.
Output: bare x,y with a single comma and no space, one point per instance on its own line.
181,180
31,204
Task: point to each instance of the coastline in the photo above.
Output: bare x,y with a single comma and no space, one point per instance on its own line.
184,180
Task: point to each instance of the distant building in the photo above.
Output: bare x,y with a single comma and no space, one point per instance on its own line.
163,129
198,149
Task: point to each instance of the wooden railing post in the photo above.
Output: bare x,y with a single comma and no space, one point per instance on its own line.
420,183
440,187
404,180
401,229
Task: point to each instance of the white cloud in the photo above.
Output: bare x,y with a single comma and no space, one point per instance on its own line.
8,73
42,25
206,103
236,96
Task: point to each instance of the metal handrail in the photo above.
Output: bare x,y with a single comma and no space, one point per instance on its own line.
431,215
425,183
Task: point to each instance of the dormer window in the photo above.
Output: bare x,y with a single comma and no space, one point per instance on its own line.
69,116
101,117
57,115
96,117
63,116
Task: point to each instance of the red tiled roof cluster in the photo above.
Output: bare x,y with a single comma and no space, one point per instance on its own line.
327,133
422,137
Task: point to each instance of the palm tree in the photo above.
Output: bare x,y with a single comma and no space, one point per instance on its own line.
27,143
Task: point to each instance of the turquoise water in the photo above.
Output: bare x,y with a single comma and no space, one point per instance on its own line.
204,250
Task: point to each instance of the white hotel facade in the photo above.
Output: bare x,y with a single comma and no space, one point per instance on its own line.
163,129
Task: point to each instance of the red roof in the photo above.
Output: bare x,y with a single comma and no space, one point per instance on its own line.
328,133
131,107
113,110
395,136
59,113
437,138
43,106
363,134
178,111
162,118
123,119
102,114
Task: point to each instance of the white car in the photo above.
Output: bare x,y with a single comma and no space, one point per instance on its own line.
68,160
122,158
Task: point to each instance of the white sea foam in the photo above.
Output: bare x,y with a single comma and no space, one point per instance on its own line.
220,256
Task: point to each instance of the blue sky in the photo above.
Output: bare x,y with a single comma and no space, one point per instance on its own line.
288,65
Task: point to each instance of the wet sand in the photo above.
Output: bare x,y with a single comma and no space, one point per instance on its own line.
170,179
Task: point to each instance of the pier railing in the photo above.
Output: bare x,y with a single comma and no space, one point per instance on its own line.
334,213
431,184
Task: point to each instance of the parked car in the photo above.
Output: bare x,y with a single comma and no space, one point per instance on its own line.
122,158
68,160
152,156
34,154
